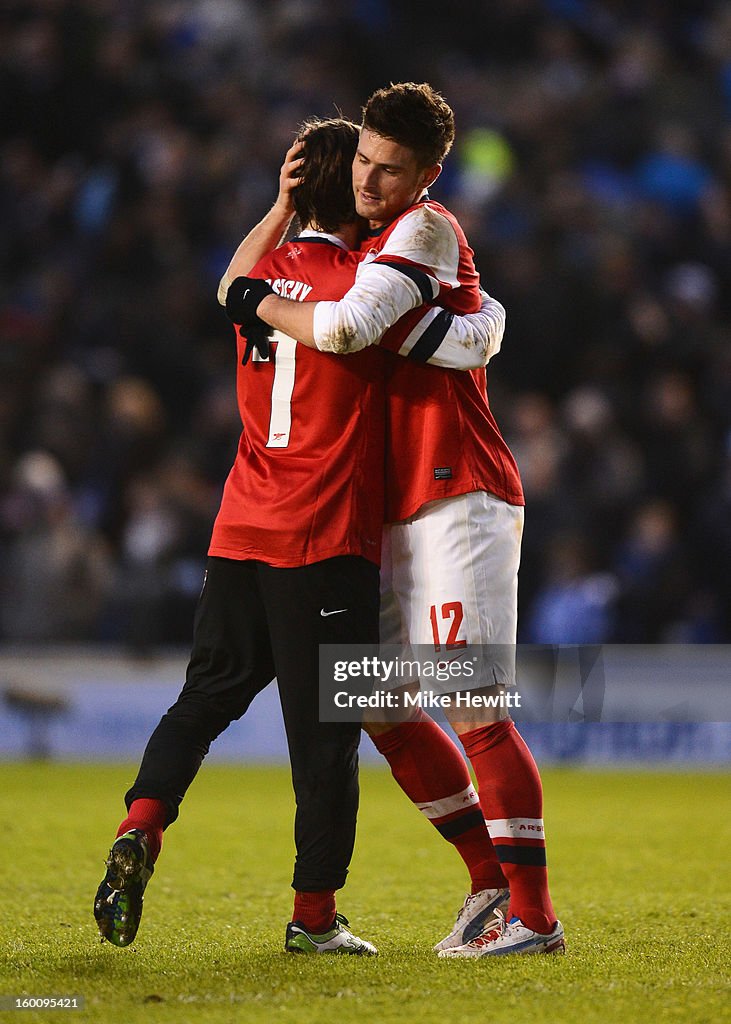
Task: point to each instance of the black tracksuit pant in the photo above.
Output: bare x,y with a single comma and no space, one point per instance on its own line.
253,622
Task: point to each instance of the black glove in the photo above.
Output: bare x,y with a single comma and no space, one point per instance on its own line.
256,337
243,298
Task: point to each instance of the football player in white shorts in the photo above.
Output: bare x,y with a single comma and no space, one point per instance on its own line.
455,508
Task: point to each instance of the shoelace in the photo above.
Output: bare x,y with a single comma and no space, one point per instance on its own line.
468,901
465,906
494,933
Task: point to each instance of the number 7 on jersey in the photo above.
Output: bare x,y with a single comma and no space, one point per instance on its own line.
280,421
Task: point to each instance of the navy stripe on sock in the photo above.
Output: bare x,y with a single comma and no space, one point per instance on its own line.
457,826
532,855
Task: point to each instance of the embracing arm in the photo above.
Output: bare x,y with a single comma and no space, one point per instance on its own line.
456,342
359,319
405,274
405,279
438,337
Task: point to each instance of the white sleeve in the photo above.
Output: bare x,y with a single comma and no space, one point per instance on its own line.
426,254
377,299
457,342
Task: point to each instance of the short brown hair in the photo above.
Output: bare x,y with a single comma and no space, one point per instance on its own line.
324,197
415,116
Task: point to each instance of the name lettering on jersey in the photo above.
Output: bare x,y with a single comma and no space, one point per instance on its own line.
295,290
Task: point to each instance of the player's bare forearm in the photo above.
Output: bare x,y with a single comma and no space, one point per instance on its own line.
292,318
265,236
271,229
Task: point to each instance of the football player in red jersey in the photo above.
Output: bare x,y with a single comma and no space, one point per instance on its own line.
454,500
293,563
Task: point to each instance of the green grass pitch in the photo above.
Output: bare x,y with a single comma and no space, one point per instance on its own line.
639,876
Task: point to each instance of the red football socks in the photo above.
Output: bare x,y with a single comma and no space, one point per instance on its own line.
315,911
512,799
431,771
151,817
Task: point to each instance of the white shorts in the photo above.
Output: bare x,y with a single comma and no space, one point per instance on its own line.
449,579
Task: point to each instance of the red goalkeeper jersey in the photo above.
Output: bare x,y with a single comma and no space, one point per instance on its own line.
307,482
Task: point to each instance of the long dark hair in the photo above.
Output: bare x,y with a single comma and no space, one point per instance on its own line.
325,196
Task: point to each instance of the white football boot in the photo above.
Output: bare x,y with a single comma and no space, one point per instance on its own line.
476,916
510,937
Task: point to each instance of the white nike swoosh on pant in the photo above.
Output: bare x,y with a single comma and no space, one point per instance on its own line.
336,612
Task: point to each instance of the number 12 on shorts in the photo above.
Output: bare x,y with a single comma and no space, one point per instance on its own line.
448,622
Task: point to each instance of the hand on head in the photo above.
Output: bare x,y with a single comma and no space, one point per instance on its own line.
289,175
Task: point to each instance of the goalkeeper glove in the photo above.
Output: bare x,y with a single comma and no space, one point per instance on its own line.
243,298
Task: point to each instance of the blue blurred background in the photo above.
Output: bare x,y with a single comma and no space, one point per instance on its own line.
592,173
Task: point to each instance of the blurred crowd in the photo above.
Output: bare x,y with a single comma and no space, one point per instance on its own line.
592,173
